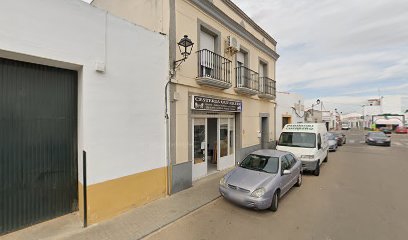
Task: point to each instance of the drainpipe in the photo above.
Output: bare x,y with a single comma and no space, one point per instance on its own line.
166,116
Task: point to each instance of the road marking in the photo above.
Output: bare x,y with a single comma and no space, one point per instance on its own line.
397,143
362,141
352,141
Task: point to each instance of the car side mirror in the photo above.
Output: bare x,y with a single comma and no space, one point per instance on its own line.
286,172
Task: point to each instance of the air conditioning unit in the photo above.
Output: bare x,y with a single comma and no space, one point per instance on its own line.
232,45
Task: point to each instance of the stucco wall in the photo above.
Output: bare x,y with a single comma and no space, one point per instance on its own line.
284,103
188,20
151,14
121,123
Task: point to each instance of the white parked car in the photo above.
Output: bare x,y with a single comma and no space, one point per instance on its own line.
345,126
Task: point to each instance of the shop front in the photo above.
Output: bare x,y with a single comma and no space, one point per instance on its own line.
213,122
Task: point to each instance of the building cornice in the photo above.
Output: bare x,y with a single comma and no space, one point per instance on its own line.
251,22
216,13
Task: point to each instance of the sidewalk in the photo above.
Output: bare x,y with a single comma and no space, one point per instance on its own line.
134,224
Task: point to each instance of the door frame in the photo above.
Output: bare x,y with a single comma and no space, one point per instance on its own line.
231,156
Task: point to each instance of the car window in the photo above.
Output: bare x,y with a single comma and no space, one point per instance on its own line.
291,160
260,163
297,139
285,165
319,140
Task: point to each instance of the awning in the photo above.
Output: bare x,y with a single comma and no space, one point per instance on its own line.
388,122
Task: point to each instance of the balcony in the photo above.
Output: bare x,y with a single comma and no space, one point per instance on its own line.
267,88
247,81
213,70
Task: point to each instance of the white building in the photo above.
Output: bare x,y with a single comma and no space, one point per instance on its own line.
289,109
78,83
353,119
387,110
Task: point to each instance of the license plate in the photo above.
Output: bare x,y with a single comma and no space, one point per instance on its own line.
380,142
237,196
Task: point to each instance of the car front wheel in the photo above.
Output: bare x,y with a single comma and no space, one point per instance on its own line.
299,180
316,172
275,202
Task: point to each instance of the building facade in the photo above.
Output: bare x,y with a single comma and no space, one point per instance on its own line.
74,90
386,111
233,64
118,120
289,109
221,99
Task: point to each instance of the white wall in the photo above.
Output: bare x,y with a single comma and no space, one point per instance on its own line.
121,111
284,103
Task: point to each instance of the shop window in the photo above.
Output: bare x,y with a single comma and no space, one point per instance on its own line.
199,141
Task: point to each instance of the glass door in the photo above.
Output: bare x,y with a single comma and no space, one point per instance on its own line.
226,143
199,147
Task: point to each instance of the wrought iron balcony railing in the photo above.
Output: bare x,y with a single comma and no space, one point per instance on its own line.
213,70
267,88
247,81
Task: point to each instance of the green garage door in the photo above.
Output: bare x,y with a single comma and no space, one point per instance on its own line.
38,143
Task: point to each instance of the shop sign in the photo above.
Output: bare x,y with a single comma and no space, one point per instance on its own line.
300,127
215,104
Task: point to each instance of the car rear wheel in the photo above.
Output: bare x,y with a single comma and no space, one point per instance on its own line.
299,180
316,172
275,202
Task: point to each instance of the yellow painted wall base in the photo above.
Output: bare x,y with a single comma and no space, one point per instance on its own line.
113,197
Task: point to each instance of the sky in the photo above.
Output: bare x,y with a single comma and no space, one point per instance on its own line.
341,52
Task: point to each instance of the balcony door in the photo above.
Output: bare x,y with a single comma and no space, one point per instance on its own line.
207,42
241,82
262,74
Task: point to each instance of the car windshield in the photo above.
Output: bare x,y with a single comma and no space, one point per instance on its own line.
261,163
377,134
298,139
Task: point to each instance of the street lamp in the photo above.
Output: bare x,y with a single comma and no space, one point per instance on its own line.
317,103
185,46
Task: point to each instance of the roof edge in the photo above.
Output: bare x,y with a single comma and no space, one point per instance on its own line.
251,22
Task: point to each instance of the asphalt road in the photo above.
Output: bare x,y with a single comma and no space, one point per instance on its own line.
361,193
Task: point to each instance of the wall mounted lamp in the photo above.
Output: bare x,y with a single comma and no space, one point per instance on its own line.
185,46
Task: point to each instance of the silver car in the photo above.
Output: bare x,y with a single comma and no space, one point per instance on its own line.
261,179
332,142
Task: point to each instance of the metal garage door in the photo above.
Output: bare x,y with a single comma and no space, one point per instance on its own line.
38,143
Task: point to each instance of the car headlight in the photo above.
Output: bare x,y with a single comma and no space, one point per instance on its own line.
223,182
387,140
307,156
258,192
370,139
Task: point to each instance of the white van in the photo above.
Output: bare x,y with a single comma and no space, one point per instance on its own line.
308,142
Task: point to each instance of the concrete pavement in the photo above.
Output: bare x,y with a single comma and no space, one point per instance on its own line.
361,193
134,224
